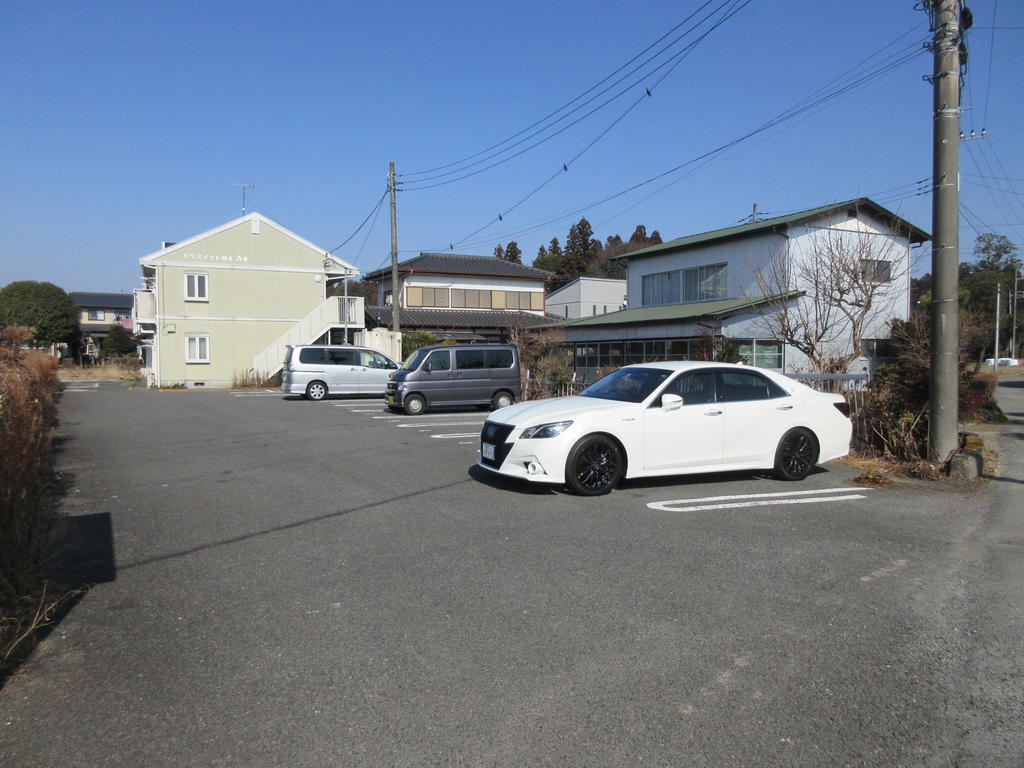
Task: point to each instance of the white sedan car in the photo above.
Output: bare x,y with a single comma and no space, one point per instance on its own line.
668,418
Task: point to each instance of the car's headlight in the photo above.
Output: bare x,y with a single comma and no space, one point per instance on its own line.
545,430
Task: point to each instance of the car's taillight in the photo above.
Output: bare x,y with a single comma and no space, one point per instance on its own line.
843,408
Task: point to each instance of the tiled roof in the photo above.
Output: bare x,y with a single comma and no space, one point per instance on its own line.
674,312
88,300
460,264
455,318
916,235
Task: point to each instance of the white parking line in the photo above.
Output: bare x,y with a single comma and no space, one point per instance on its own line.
414,425
766,499
81,386
359,404
455,435
425,417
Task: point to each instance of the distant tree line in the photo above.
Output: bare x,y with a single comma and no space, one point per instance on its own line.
583,254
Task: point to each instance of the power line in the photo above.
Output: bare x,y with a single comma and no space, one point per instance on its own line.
577,98
371,213
816,99
673,61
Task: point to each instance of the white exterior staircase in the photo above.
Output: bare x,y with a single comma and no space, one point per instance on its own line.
332,313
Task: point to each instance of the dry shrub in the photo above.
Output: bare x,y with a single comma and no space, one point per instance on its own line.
253,380
28,385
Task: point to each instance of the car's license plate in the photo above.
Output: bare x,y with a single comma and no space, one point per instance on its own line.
487,451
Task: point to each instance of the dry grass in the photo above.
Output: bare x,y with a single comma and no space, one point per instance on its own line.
119,371
254,380
28,385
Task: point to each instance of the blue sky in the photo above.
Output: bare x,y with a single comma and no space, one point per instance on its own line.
126,124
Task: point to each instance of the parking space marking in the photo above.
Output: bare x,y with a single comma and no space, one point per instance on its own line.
82,386
414,425
455,435
763,499
427,416
358,404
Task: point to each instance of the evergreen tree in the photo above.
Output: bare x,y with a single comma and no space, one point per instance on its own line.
549,258
512,253
499,252
581,249
42,306
119,342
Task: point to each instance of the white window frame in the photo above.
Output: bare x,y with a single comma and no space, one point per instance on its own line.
201,339
203,295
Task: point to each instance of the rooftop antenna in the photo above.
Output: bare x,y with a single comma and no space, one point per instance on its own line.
244,187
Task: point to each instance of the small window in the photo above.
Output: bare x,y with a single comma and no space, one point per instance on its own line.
312,356
469,359
439,360
96,314
875,348
195,287
876,270
197,349
499,358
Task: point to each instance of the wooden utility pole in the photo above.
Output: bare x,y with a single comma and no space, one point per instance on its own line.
395,292
943,399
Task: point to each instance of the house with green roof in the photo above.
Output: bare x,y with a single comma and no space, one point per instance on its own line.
751,284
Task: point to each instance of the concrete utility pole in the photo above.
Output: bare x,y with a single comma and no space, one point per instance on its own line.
395,326
995,346
943,399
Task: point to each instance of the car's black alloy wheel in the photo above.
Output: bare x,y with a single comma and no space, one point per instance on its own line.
594,466
796,455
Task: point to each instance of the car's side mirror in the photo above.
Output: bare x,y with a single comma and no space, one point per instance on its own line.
671,402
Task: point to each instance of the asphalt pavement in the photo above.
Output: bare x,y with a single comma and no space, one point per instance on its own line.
281,582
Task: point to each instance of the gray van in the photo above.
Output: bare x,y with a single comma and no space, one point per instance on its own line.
319,370
456,374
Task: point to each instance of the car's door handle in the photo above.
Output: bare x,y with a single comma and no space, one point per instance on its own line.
712,413
784,408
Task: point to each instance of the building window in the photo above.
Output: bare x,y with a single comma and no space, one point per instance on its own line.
705,283
96,314
195,287
875,348
760,353
197,349
876,270
427,297
660,288
463,298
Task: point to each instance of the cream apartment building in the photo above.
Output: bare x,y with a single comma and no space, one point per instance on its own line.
223,304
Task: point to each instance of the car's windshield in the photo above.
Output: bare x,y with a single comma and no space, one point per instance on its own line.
412,362
631,385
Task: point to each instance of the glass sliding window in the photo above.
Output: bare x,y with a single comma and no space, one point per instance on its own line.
660,288
197,349
678,350
768,354
654,351
195,287
705,283
634,352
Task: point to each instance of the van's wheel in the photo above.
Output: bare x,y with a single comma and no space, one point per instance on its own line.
796,455
415,405
594,466
316,390
501,399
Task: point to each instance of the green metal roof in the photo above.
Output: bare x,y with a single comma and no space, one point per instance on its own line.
916,235
674,312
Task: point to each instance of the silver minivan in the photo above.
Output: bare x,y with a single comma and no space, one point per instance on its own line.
318,370
456,374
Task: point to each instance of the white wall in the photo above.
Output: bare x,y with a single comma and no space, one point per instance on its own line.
580,297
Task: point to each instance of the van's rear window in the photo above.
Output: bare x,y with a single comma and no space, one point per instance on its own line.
311,355
499,358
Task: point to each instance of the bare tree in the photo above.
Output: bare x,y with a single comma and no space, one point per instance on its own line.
823,300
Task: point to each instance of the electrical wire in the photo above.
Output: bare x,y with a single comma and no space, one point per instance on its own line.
577,98
816,99
376,206
671,63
